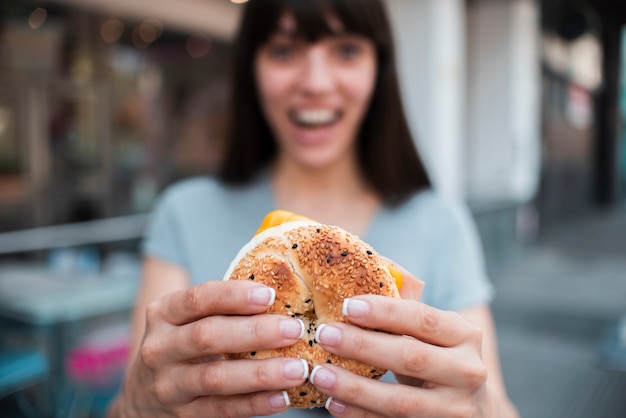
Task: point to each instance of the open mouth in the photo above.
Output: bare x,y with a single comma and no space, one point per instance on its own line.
314,118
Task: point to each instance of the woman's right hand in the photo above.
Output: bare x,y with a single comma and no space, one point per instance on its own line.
180,369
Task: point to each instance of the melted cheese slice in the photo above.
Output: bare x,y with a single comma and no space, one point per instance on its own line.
280,217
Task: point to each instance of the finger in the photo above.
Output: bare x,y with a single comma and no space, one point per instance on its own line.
341,409
214,298
232,377
403,355
225,334
407,317
254,404
411,286
364,397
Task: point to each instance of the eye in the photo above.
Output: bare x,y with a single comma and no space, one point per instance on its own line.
282,49
348,50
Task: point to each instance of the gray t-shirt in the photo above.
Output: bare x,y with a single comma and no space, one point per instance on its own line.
200,224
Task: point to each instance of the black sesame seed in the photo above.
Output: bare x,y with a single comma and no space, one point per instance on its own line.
310,343
369,252
328,259
313,401
328,361
294,246
345,253
302,393
319,230
380,284
253,353
252,277
287,306
307,301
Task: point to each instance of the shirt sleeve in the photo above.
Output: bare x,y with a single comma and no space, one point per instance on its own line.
163,233
463,281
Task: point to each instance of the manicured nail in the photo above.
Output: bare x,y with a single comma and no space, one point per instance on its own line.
296,369
264,296
279,400
323,378
291,328
355,307
328,335
334,406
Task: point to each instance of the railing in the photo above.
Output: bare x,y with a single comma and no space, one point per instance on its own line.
119,228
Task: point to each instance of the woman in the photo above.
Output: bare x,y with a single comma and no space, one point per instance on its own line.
317,129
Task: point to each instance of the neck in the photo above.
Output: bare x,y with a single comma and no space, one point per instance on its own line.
335,195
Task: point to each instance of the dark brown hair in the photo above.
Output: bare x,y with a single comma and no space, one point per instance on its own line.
387,155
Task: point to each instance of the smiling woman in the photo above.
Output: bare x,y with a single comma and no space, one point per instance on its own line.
318,130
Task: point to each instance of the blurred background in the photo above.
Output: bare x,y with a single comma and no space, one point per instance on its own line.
519,107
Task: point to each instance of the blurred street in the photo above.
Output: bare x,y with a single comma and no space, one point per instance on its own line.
554,306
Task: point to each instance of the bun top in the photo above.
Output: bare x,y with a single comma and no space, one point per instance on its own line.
280,222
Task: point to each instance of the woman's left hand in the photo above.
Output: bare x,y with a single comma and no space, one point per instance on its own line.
435,355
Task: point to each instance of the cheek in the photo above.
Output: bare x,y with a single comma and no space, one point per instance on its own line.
359,87
273,83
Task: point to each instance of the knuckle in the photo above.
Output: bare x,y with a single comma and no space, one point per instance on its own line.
225,406
359,342
428,323
193,298
258,329
203,335
212,379
160,391
263,373
149,353
476,376
153,310
405,408
353,393
412,358
389,309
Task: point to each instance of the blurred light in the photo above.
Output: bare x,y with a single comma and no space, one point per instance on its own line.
238,1
150,30
199,45
147,32
37,18
111,30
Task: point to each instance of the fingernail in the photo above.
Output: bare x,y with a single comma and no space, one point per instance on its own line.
263,296
296,369
355,307
328,335
335,406
291,328
279,400
323,378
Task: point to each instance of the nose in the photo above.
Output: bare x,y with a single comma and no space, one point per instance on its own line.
317,73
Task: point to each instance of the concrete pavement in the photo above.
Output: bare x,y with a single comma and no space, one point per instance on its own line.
556,302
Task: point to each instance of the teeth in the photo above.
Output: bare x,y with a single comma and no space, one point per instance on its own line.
315,116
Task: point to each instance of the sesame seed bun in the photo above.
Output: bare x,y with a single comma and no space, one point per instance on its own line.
313,268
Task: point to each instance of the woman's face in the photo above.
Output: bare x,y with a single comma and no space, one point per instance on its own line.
314,95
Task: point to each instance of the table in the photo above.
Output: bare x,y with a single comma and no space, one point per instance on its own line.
51,305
